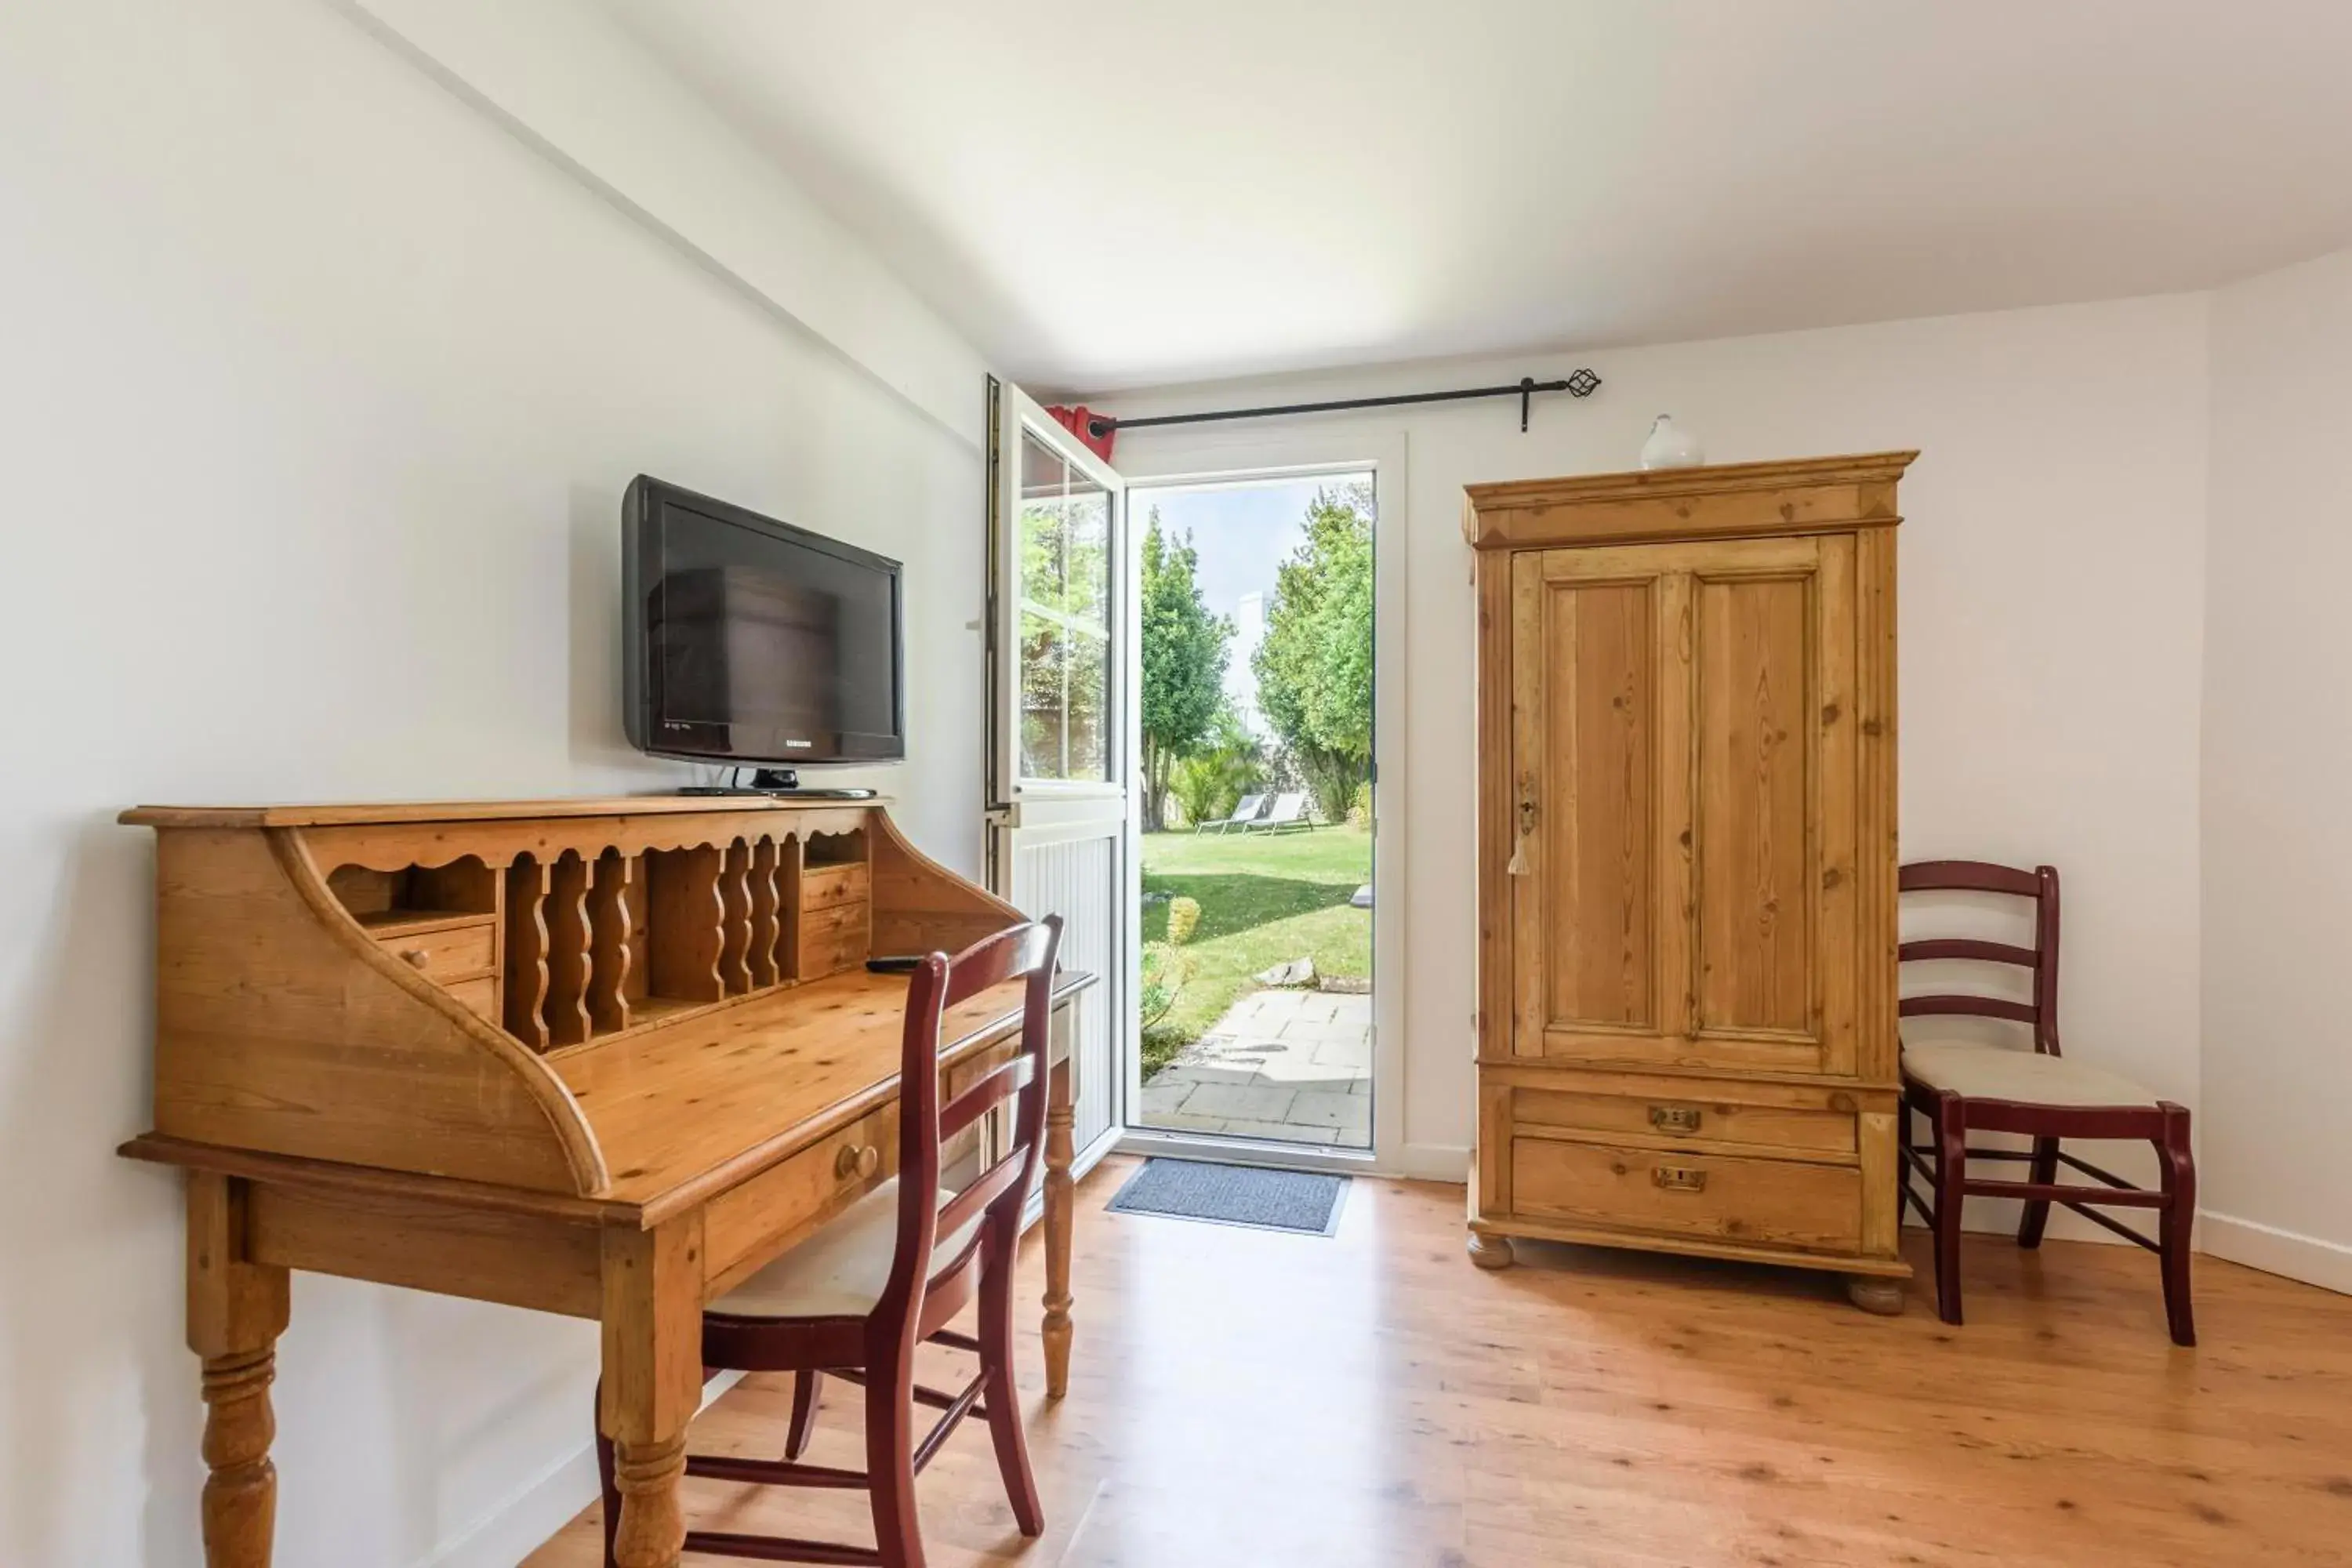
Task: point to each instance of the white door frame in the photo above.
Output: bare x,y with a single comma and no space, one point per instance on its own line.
1039,812
1171,458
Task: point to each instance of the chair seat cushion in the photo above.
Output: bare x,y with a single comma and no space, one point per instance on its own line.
839,1272
1976,1071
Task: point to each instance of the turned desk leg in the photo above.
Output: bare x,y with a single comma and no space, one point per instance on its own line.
653,1380
237,1309
1061,1149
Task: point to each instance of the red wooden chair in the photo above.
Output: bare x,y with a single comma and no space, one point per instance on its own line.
888,1274
1962,1085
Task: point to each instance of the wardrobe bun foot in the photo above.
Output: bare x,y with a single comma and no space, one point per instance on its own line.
1875,1295
1491,1251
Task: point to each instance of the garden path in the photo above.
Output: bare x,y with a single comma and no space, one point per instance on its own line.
1296,1066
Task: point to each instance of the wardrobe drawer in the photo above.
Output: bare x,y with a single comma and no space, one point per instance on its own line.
1782,1203
458,950
1696,1112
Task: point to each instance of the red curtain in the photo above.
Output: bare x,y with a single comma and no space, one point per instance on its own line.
1079,422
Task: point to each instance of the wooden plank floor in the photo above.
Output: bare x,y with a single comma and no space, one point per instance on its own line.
1245,1398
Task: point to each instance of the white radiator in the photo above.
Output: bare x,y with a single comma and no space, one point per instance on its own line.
1078,879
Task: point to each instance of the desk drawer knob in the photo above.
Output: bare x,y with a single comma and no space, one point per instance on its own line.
1678,1178
856,1160
415,958
1675,1118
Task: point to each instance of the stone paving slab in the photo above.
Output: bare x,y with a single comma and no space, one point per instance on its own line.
1321,1107
1347,1057
1293,1065
1245,1101
1321,1034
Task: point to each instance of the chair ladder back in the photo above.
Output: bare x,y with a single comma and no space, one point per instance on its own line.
993,1183
1001,1083
1024,953
2040,886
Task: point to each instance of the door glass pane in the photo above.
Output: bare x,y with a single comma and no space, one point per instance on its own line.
1045,694
1085,533
1064,593
1045,481
1087,757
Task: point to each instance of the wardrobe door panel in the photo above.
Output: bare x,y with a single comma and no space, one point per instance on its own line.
1600,788
1599,764
1754,849
1774,783
1684,781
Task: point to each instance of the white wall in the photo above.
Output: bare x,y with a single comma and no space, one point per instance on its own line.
2276,1166
2051,601
320,384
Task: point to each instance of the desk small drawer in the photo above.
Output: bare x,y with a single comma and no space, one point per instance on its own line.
1696,1113
823,887
481,993
833,939
451,951
1772,1203
747,1226
830,924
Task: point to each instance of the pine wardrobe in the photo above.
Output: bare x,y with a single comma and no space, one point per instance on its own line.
1686,859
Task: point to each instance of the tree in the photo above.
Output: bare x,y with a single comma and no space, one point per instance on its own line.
1315,668
1184,654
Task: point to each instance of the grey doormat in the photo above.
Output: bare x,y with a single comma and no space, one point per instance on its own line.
1234,1195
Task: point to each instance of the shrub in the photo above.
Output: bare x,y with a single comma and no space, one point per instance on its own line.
1165,970
1166,967
1183,918
1207,783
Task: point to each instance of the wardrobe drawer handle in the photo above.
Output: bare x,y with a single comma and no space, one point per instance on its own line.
1678,1178
1675,1118
416,957
856,1160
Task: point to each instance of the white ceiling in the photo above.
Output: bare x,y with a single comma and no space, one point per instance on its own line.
1123,192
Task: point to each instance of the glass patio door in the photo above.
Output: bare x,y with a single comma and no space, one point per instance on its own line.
1063,739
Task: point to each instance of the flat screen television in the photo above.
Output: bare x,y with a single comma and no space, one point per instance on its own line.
751,641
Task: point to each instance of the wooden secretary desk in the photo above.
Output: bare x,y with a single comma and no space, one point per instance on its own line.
598,1058
1686,865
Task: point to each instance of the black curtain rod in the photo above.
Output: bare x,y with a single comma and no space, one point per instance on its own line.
1579,384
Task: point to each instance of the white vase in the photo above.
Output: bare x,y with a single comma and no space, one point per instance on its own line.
1670,446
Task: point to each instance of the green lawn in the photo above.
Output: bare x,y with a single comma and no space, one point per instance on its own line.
1265,900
